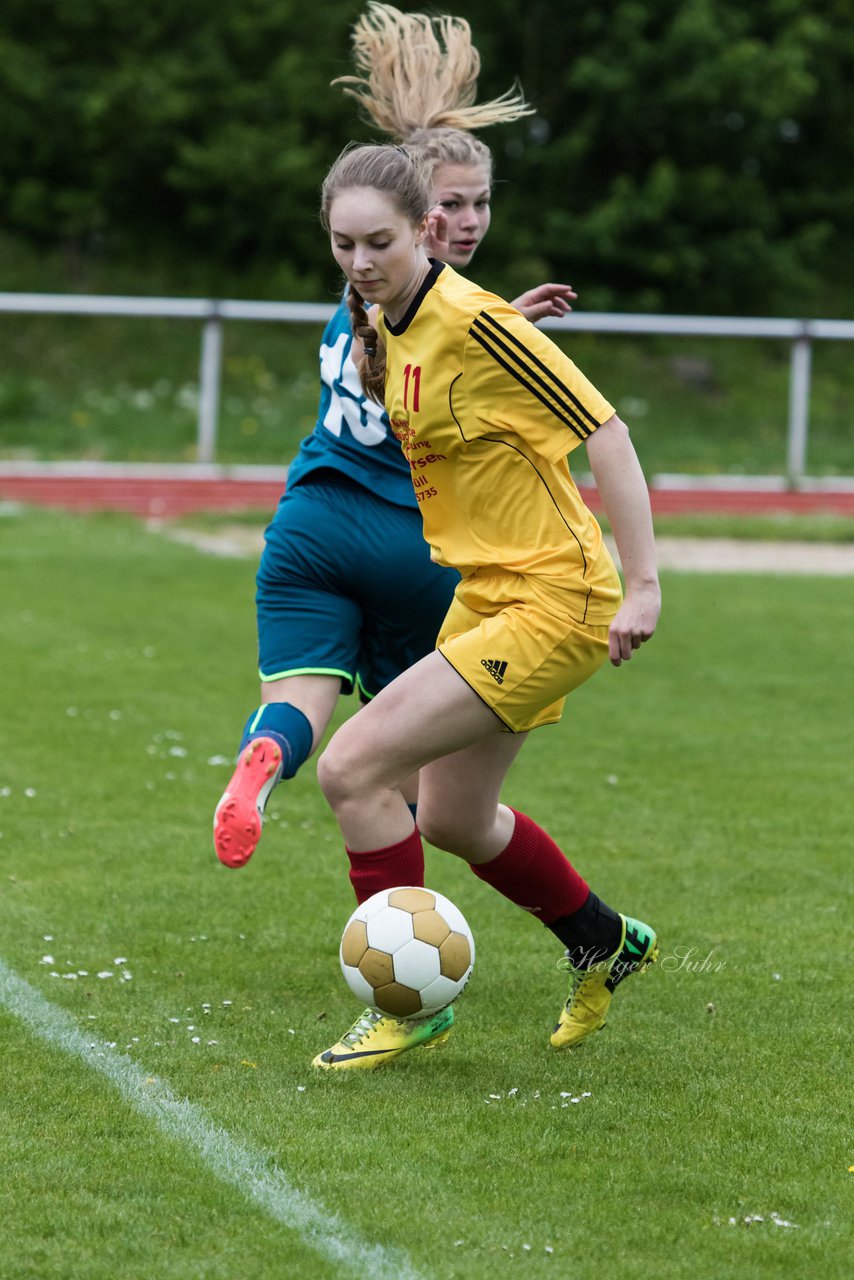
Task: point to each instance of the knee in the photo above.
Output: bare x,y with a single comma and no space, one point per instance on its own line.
333,775
469,835
346,769
441,830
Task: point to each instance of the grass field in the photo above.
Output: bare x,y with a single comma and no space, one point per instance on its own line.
159,1115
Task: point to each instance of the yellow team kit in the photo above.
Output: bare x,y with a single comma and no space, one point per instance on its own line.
487,409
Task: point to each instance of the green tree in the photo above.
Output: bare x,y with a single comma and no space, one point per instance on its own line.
207,128
686,154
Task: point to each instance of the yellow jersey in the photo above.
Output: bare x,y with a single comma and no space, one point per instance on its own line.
487,409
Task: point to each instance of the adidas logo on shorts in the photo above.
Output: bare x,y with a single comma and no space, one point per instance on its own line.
495,668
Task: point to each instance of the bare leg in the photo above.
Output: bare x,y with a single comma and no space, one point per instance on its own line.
316,696
427,713
458,802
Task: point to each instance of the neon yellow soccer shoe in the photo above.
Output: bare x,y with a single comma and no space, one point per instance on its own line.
375,1038
591,989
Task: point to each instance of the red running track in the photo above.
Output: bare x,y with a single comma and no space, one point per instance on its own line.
180,496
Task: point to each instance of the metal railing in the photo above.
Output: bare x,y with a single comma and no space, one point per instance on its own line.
212,313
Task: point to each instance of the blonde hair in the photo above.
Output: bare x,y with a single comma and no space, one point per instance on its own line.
395,172
432,147
418,83
392,170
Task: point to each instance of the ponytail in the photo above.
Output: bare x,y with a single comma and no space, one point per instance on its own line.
420,72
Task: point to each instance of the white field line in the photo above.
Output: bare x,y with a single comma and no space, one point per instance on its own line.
249,1171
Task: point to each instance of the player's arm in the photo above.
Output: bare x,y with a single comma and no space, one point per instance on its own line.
625,498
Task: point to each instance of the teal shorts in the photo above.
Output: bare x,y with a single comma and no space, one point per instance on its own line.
346,586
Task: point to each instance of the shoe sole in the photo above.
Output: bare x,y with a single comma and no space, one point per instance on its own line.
237,820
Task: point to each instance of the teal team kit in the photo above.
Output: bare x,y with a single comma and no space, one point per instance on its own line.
346,586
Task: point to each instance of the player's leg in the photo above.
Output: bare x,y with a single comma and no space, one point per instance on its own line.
426,718
308,641
429,719
542,656
427,711
602,946
459,810
277,739
458,799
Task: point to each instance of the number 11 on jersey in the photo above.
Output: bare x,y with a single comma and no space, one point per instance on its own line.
412,372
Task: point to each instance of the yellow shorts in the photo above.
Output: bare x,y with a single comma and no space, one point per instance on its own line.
512,639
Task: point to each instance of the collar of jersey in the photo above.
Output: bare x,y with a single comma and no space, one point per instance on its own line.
436,269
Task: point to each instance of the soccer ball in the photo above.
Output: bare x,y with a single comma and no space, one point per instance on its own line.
407,952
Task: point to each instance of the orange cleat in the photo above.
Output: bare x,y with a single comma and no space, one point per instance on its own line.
239,815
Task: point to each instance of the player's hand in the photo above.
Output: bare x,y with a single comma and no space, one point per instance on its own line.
545,300
438,244
635,622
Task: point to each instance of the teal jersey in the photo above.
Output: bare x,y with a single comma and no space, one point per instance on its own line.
352,434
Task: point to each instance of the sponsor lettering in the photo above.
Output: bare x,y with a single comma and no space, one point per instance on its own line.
426,462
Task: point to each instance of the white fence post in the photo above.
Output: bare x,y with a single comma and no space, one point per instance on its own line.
210,374
799,408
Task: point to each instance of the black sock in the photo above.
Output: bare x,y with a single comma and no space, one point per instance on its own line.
591,934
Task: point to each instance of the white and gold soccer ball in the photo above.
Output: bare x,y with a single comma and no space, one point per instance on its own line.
407,952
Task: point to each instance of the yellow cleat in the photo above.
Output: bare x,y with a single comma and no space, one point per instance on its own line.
375,1038
591,989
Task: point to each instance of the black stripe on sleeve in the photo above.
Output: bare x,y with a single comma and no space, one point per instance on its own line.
509,337
561,412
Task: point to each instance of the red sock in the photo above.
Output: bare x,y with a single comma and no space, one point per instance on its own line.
374,869
533,873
